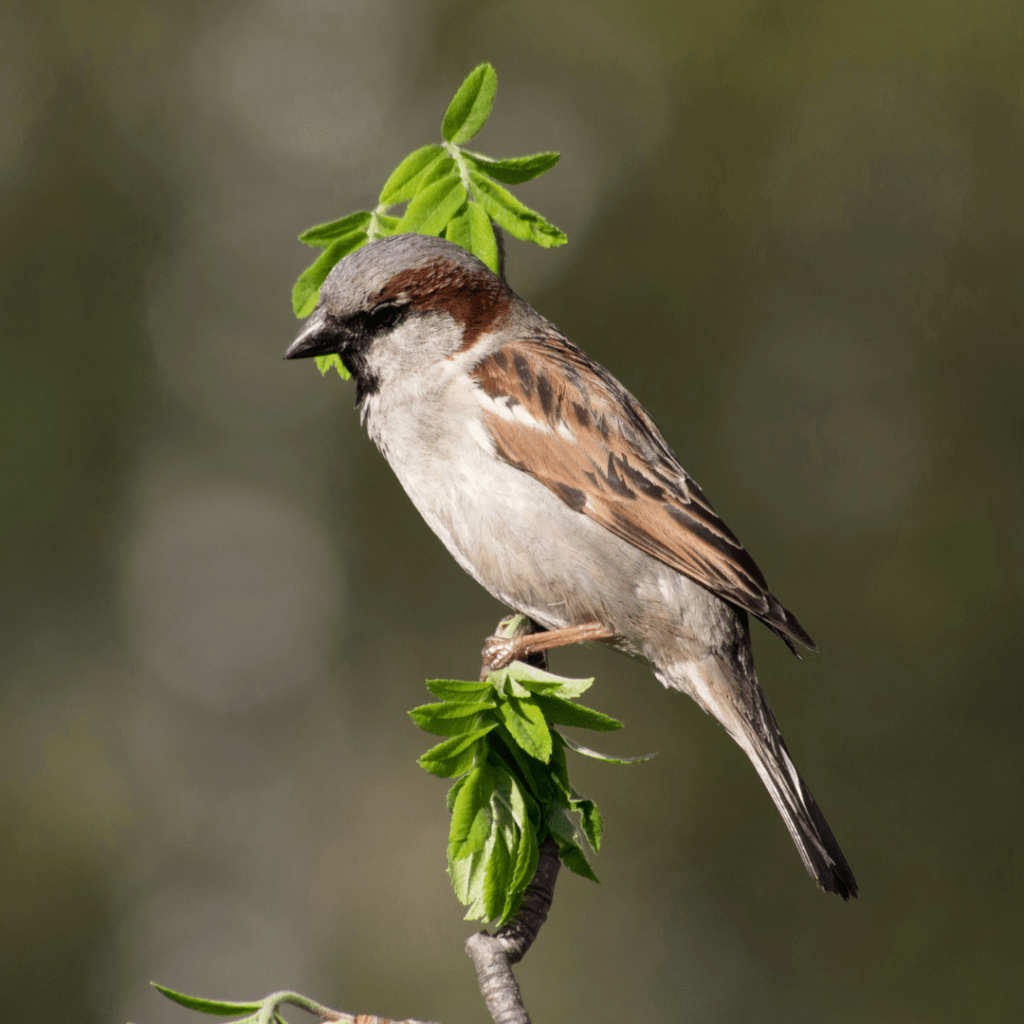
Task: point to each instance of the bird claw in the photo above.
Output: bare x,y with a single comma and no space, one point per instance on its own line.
497,653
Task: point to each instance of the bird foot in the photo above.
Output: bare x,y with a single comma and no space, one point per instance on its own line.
500,651
497,653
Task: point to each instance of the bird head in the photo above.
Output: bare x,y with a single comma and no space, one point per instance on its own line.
401,304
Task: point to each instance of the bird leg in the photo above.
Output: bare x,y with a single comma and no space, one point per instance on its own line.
519,638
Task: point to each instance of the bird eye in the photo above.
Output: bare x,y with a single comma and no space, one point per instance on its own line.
383,318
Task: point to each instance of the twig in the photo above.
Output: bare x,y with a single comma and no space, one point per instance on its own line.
492,955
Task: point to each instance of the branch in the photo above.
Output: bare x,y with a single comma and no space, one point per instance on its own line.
492,955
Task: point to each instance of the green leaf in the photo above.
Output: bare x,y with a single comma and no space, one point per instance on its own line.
517,169
430,211
504,685
444,168
478,876
467,877
590,819
514,822
561,828
306,289
504,751
471,814
528,856
573,857
473,231
516,689
508,821
498,679
483,245
216,1007
324,363
518,220
449,718
569,850
403,183
513,899
498,876
453,793
452,765
324,234
518,802
461,690
587,752
529,851
525,722
469,108
562,712
558,769
386,225
454,756
458,230
540,681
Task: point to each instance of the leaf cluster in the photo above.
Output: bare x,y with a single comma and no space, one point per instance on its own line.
450,192
512,788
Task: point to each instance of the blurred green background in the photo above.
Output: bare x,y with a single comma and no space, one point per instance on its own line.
796,234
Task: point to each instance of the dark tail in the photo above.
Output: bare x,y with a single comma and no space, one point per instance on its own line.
814,840
741,707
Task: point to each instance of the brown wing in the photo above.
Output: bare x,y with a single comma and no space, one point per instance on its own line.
595,447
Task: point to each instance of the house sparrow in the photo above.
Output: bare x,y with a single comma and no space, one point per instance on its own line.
553,489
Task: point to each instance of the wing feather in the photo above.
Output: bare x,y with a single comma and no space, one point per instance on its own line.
595,448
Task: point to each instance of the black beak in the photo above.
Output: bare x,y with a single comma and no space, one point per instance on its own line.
318,337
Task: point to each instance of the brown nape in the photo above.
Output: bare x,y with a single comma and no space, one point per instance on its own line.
478,302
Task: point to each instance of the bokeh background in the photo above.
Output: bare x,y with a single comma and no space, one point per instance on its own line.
796,233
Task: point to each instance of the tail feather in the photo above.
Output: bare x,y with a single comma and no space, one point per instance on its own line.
814,840
741,706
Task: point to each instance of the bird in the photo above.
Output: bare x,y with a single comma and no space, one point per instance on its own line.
552,487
